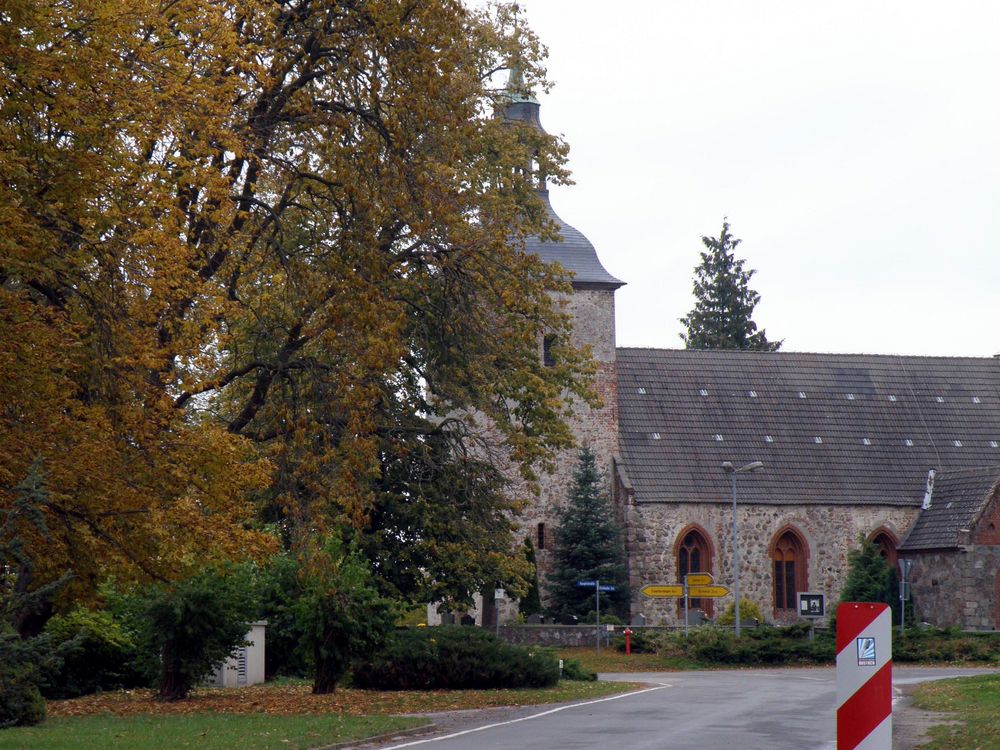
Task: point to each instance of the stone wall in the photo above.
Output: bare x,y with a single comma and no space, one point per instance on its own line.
653,531
958,588
564,636
593,313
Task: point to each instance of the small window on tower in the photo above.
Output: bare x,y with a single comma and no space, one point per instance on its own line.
548,358
541,536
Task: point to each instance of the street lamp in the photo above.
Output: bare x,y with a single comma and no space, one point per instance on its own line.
727,466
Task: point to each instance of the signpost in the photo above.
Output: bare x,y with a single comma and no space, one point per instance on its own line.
598,587
696,585
905,566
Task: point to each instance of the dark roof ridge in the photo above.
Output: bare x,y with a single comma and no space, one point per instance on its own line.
993,470
752,352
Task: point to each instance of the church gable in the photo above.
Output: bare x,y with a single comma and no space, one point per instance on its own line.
830,428
961,503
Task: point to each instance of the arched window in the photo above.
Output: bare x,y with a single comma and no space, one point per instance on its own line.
548,356
789,555
887,543
694,555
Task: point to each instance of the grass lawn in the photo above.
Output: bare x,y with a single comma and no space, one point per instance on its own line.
202,731
974,703
611,660
276,715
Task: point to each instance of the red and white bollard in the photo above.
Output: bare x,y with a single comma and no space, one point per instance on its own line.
628,642
864,676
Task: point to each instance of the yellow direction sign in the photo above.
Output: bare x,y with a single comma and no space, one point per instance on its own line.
708,592
700,579
662,592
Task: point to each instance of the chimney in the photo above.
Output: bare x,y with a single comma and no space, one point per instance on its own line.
929,491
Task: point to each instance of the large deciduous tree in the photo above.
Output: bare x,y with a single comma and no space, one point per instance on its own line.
268,250
722,317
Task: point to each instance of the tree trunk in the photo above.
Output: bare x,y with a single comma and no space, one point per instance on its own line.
173,687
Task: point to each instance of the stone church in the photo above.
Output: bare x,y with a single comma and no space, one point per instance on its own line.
897,449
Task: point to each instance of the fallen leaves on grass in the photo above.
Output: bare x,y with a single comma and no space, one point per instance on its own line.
294,699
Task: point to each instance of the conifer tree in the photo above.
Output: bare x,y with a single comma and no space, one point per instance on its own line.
588,547
724,301
869,578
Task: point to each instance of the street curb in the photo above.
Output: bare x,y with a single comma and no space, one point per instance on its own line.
415,731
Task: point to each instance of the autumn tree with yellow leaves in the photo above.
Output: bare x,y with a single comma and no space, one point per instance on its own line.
259,259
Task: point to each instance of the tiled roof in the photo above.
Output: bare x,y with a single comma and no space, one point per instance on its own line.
575,253
957,502
829,428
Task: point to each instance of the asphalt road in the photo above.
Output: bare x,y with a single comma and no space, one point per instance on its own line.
776,709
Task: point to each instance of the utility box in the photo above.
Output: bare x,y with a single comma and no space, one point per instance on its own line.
246,665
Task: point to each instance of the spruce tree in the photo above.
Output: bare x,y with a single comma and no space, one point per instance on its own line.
724,301
870,579
588,547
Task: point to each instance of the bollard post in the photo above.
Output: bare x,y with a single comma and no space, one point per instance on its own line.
628,642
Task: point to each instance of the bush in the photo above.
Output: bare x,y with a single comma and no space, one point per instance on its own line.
281,588
97,654
643,641
345,617
761,646
749,611
945,644
21,661
455,658
188,630
574,670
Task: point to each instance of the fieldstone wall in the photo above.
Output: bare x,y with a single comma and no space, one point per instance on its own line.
957,588
653,531
593,312
564,636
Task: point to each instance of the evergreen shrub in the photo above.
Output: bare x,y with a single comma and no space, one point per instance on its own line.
760,646
454,657
21,661
945,645
574,670
643,641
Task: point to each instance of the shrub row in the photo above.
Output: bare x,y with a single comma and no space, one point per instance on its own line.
945,644
759,646
455,657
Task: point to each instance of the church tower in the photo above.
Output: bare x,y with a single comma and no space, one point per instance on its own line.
591,306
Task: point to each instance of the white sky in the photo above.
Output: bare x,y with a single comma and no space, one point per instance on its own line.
854,146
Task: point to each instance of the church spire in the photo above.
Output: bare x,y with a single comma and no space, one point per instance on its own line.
521,102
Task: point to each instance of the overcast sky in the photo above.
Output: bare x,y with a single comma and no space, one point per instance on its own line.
854,146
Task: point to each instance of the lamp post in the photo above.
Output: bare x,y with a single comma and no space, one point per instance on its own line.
727,466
